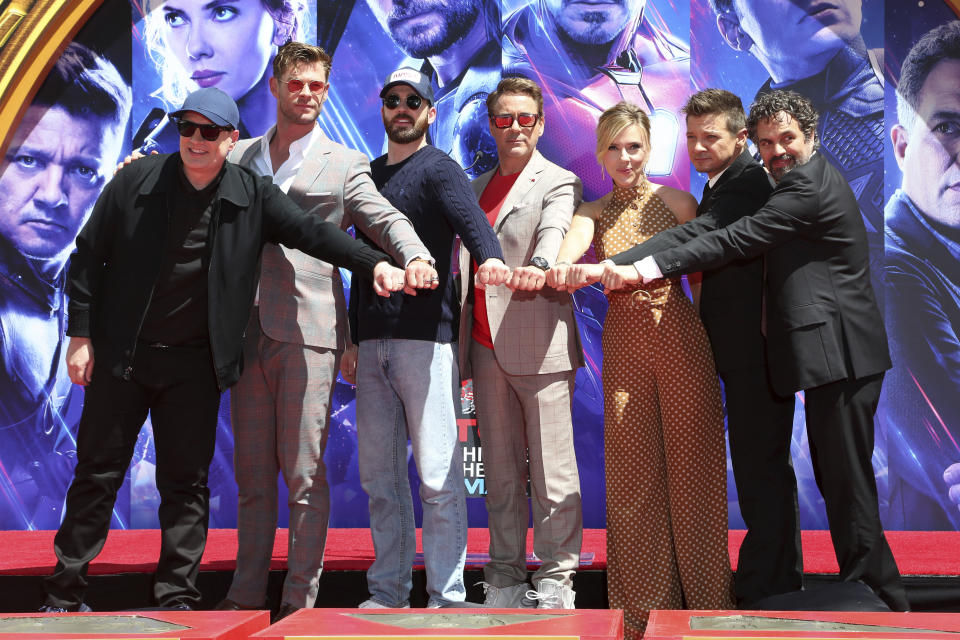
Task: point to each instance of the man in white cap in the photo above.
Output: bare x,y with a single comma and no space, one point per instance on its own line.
406,371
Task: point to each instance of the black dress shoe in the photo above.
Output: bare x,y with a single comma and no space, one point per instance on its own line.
229,605
80,608
283,612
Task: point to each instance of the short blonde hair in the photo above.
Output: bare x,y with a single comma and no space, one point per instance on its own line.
614,120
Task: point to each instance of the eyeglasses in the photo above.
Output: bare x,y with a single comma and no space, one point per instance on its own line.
295,85
413,101
210,132
505,120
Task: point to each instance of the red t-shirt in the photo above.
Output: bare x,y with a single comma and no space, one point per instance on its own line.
490,201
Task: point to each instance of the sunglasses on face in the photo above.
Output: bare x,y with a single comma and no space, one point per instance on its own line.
505,120
296,86
209,132
393,101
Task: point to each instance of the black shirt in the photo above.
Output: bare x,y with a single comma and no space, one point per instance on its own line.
432,190
177,314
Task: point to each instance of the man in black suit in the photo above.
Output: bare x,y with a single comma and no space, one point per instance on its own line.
824,332
759,422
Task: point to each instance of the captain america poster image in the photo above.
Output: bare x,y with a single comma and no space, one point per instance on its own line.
455,42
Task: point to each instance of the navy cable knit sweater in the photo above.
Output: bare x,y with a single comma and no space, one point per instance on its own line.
433,191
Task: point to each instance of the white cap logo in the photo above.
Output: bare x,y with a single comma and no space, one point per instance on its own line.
404,75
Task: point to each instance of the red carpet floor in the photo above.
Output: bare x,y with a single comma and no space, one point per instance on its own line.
935,553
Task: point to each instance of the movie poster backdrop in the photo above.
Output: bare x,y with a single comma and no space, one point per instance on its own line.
150,53
57,162
922,266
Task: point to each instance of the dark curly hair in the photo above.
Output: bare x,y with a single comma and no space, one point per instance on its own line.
770,106
941,43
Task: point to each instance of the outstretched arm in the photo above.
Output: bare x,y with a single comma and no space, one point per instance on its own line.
792,210
387,227
285,223
458,203
575,244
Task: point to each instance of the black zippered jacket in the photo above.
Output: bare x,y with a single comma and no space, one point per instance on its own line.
116,264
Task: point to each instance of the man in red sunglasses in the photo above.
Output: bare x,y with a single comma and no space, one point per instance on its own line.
161,286
522,349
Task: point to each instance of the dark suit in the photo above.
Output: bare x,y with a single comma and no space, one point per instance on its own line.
759,422
825,336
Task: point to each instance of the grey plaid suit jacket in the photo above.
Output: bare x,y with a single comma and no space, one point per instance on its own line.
533,331
301,298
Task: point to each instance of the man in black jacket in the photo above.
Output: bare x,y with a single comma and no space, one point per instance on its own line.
824,332
759,422
161,286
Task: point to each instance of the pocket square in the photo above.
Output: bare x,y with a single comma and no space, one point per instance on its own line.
319,193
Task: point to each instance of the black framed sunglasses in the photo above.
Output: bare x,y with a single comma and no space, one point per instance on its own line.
413,101
505,120
295,85
209,132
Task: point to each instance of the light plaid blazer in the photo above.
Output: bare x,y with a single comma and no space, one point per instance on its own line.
533,332
301,298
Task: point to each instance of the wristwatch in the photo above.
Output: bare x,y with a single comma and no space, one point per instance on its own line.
539,263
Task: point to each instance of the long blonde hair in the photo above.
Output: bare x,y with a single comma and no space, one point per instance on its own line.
174,85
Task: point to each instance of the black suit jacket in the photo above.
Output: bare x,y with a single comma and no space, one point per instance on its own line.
823,324
731,296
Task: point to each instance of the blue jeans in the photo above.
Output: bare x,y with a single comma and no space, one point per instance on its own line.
407,388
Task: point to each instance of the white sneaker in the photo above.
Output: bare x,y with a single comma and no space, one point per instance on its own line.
505,597
373,604
551,594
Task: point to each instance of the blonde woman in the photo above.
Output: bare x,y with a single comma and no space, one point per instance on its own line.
663,442
227,44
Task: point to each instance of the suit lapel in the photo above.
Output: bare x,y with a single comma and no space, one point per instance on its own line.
314,161
734,170
248,151
529,177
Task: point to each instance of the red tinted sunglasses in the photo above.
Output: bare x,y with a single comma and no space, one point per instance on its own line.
295,85
505,120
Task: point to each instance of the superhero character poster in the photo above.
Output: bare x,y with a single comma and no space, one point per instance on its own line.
921,273
653,52
57,161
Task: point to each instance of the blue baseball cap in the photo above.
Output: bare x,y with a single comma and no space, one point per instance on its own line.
213,104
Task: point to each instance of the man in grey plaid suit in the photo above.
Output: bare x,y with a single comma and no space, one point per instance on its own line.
297,333
522,348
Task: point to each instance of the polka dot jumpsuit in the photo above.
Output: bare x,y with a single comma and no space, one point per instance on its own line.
665,454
